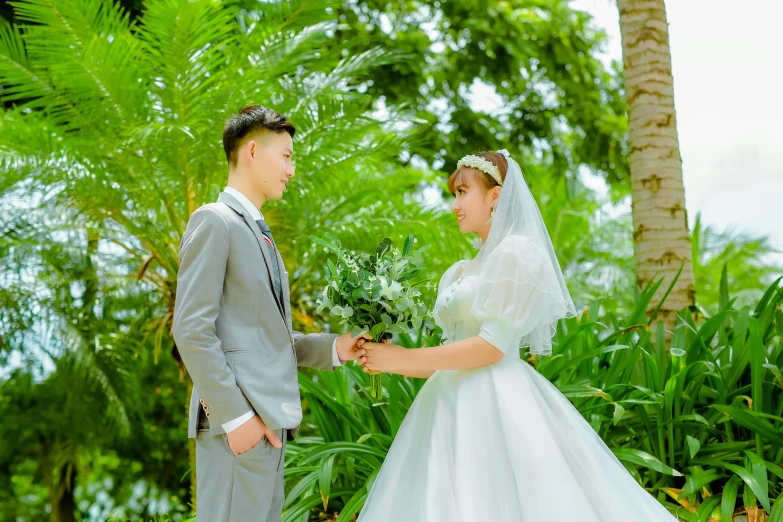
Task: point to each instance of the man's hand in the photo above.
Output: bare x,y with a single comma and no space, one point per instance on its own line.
249,435
348,346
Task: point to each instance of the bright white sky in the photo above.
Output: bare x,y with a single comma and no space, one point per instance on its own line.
727,81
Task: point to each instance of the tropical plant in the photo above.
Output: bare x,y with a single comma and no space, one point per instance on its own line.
334,465
747,260
71,375
118,123
521,74
699,425
114,126
711,408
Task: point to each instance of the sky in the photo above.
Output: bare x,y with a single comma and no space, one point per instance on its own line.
727,82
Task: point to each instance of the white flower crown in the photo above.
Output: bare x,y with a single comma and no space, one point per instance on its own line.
476,162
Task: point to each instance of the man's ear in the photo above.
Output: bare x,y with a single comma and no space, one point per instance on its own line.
252,148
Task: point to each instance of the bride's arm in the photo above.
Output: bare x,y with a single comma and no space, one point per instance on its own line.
419,374
473,352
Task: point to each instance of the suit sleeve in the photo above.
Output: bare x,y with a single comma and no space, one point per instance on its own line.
314,350
203,257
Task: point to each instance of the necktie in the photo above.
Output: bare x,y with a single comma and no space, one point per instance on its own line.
275,268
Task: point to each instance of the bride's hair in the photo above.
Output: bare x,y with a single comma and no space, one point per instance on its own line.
457,177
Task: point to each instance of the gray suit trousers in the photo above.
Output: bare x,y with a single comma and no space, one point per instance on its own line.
245,488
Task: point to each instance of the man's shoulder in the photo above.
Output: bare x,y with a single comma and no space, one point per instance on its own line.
215,212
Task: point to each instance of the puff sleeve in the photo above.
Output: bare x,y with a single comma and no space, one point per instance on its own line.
518,299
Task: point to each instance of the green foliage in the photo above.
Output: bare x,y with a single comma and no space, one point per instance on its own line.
536,58
110,138
745,259
119,123
695,425
374,292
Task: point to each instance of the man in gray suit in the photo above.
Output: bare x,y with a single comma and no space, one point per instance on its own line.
232,326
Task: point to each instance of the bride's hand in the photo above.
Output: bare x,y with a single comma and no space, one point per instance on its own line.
382,357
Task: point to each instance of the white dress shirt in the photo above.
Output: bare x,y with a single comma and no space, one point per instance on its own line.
255,214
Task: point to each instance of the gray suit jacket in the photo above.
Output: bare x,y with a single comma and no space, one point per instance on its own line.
233,334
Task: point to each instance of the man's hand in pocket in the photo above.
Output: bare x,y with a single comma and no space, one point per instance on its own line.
251,433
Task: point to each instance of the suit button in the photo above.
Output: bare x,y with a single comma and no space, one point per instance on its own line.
201,401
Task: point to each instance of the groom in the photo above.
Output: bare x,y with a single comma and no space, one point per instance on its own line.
232,326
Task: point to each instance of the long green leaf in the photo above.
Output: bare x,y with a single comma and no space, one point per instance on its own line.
644,459
754,422
729,498
759,488
352,448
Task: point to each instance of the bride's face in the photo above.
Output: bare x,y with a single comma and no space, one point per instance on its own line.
473,205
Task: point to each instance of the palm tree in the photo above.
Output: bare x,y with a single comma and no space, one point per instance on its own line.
740,261
661,238
76,388
117,126
122,122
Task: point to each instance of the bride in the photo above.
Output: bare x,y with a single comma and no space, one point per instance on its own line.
488,439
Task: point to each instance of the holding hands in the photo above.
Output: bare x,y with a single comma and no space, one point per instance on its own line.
381,357
348,346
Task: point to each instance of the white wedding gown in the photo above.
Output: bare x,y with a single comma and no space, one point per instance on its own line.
499,443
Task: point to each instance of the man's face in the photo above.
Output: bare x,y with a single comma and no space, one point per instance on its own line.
269,157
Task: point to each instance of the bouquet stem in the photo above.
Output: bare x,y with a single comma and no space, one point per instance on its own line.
376,386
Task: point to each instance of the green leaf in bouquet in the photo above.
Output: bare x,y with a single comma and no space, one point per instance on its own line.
337,310
378,329
383,247
386,319
408,245
347,312
396,329
410,274
356,331
332,268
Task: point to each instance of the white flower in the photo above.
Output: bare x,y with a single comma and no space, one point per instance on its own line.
390,292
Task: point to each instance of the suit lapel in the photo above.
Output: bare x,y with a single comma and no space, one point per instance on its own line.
286,288
237,207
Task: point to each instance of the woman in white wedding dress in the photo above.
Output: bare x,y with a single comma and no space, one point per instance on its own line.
488,439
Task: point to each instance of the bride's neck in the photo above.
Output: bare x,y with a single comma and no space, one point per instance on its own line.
484,233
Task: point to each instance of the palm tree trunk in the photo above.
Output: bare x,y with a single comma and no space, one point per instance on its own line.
661,238
64,509
60,488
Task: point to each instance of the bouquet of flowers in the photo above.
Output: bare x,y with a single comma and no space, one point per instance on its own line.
374,292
